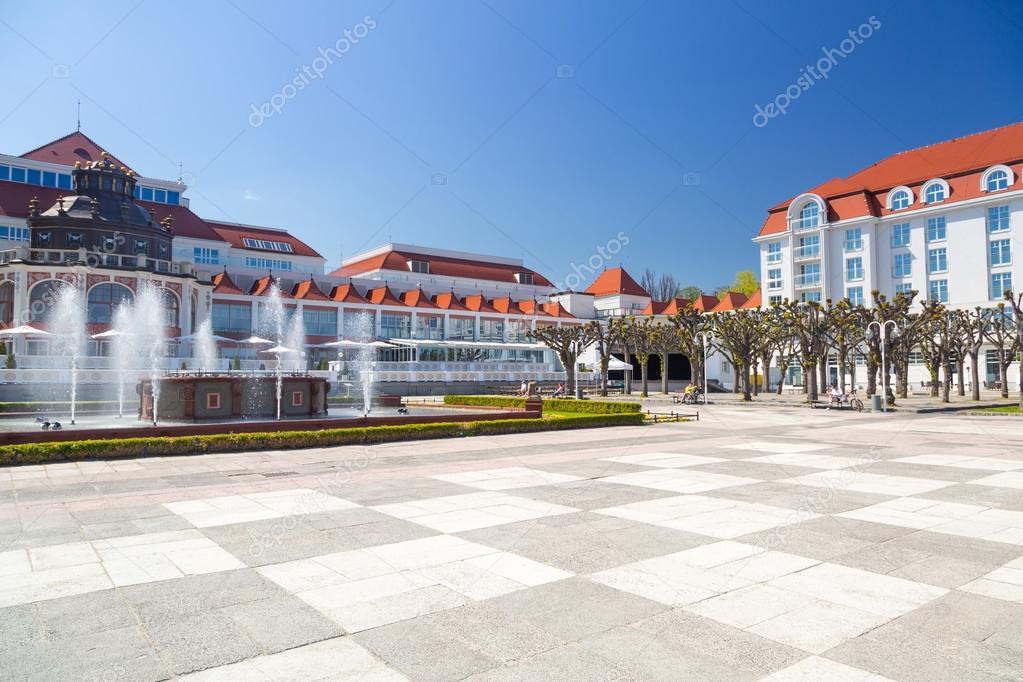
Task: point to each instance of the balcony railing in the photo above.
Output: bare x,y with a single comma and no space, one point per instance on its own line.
807,280
806,252
95,259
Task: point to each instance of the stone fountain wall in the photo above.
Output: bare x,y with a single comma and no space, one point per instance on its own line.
195,398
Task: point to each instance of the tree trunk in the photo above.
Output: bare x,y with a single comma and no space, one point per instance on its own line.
974,376
810,379
644,377
765,363
664,373
1021,385
946,382
935,379
628,373
1003,374
753,379
902,378
746,381
571,382
822,375
841,373
852,373
871,376
783,369
961,377
735,378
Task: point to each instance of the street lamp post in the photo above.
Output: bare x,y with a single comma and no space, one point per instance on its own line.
882,330
706,345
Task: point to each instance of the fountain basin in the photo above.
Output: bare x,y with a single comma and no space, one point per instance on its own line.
223,396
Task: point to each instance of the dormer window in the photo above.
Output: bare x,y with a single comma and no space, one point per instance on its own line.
524,277
420,266
74,239
809,216
266,244
44,238
996,178
899,198
141,246
935,191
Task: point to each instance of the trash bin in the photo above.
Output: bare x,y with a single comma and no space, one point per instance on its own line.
578,392
875,403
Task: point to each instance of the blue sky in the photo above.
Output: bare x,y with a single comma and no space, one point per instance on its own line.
535,128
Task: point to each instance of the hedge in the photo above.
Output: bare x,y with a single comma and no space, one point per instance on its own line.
549,405
283,440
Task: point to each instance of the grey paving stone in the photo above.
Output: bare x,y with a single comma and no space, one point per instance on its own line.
84,614
494,632
591,494
406,490
802,497
570,662
119,654
986,496
280,623
855,529
936,473
193,642
797,539
735,648
423,652
20,626
169,599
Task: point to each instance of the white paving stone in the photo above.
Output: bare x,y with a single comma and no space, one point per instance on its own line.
768,446
964,462
665,460
1005,582
507,478
81,567
863,482
810,461
458,513
698,574
370,587
340,658
817,669
951,518
1006,479
679,480
713,516
221,511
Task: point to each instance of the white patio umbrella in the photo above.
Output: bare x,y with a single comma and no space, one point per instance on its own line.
346,343
255,340
110,333
23,330
213,337
280,350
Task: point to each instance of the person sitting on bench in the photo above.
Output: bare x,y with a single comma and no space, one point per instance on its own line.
837,397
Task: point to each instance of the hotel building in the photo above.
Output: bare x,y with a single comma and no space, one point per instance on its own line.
72,213
943,220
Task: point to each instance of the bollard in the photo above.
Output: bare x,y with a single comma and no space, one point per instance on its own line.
875,403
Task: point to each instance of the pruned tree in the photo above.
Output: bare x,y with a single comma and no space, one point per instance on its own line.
690,324
900,345
623,333
785,348
738,334
935,346
1016,303
664,341
640,336
971,325
1001,333
809,323
844,334
568,342
605,339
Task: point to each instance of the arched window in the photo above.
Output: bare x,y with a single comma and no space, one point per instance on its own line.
810,215
935,192
996,180
103,298
7,303
170,307
898,200
43,298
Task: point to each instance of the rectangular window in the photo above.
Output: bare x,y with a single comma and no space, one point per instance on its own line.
774,252
297,399
900,234
268,264
854,268
524,278
14,234
939,290
49,179
17,174
460,328
206,256
34,177
998,219
420,266
810,296
5,172
232,317
266,244
774,300
774,278
491,330
63,181
902,265
147,194
809,247
854,239
320,322
394,326
855,295
160,195
212,401
173,198
1000,283
1001,252
903,287
937,260
936,229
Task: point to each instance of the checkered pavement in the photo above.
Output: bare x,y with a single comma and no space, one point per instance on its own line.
767,557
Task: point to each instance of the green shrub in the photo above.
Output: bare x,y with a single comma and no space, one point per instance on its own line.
590,406
282,440
11,363
485,400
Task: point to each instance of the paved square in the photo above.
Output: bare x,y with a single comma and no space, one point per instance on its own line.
760,543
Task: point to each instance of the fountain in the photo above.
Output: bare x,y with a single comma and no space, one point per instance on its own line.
205,348
68,324
123,350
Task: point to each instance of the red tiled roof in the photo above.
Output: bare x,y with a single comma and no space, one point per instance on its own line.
654,308
346,293
236,234
76,146
506,305
415,298
309,290
223,284
448,301
555,309
263,285
615,281
960,161
730,301
754,301
383,296
528,306
441,266
478,303
705,303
